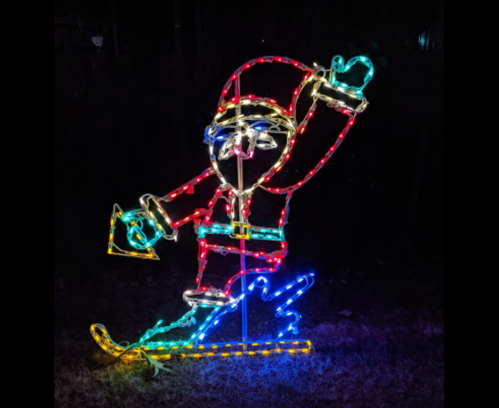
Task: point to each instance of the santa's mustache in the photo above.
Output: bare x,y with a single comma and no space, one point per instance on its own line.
233,145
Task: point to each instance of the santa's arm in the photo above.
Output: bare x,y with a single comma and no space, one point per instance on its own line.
321,163
149,203
153,215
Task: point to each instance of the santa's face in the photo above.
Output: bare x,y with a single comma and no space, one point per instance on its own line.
254,132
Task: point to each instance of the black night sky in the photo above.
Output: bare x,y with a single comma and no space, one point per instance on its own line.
130,117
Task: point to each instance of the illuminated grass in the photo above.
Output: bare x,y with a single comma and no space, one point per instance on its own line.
389,357
352,365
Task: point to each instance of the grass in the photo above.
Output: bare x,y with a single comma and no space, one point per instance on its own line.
374,358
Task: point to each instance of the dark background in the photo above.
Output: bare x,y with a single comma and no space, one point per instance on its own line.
129,119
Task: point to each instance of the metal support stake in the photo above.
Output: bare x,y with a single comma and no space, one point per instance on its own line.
240,187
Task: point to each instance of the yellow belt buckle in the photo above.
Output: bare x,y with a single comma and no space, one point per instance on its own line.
244,228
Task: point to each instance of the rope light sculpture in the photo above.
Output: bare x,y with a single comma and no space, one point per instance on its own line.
237,133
